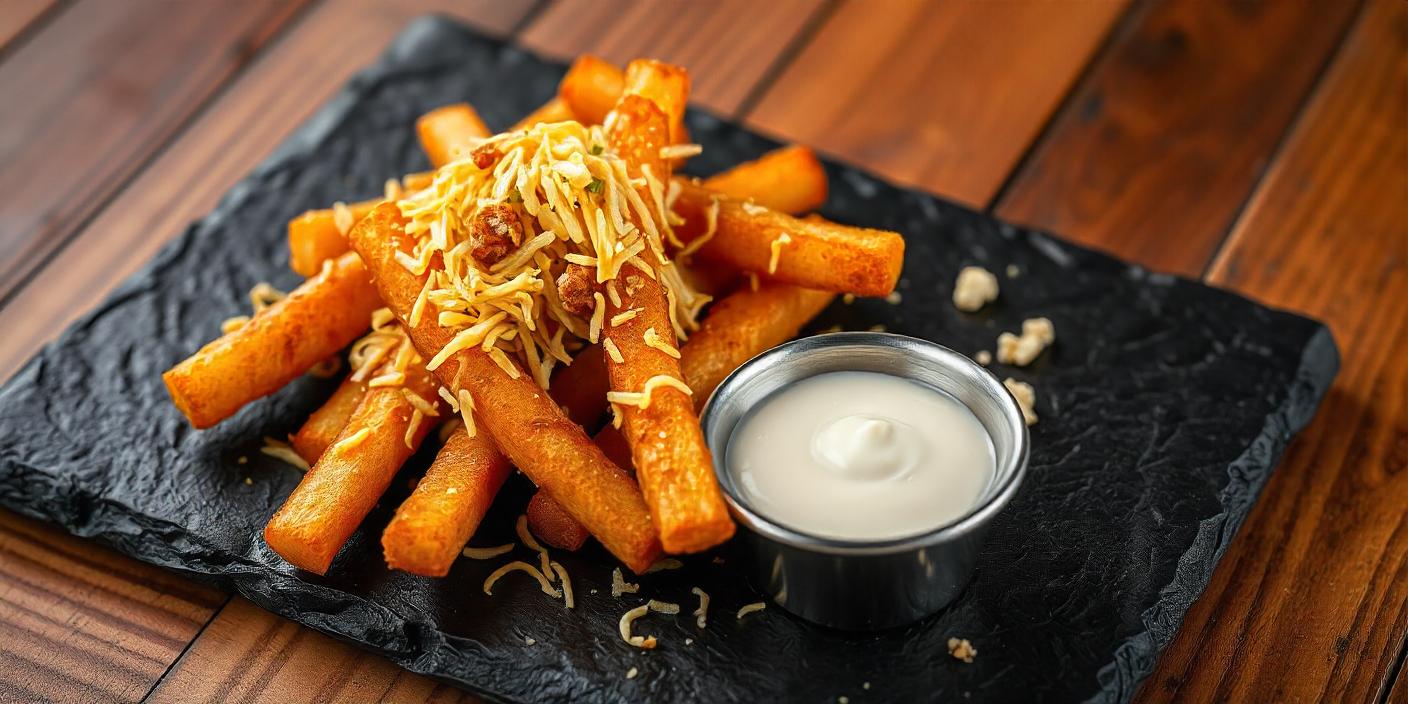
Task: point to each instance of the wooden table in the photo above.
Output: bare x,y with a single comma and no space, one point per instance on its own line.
1260,147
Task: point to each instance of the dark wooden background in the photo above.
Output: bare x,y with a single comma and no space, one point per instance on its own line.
1262,147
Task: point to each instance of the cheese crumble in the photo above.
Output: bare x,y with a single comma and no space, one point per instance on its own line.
975,288
961,649
1026,398
1021,350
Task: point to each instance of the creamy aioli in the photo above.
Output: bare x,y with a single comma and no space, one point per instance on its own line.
861,456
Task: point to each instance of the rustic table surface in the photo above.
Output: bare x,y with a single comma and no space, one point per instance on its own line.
1262,147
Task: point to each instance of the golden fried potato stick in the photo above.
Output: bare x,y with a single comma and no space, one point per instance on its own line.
442,132
438,518
664,84
553,525
672,461
325,424
316,236
580,388
555,110
739,327
808,253
591,88
788,179
315,321
527,425
326,507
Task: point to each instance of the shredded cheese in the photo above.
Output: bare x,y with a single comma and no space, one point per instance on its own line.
629,618
521,527
566,584
416,419
521,566
230,325
701,614
487,553
342,217
264,295
425,407
668,563
776,246
750,608
663,607
641,399
620,586
284,452
612,350
572,202
467,412
352,440
625,315
680,151
653,340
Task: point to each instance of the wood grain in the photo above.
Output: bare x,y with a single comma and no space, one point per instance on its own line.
1399,693
18,15
1158,149
280,90
944,96
103,87
728,46
82,623
250,655
1311,600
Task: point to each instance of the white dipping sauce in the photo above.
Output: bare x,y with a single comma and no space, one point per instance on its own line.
861,456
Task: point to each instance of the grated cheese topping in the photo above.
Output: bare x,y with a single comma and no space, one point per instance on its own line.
776,246
668,563
342,216
566,583
521,566
283,452
352,440
527,537
629,618
653,340
575,202
641,399
486,553
750,608
620,586
701,614
416,419
230,325
612,350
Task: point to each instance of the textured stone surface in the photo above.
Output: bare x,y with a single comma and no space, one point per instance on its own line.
1164,405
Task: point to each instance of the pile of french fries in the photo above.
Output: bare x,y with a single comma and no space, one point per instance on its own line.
643,484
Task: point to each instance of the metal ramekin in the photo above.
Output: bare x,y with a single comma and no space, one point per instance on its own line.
859,585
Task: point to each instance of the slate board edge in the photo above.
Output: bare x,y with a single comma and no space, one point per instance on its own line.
419,641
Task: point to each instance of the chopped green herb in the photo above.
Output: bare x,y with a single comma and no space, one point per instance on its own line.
595,186
515,197
597,149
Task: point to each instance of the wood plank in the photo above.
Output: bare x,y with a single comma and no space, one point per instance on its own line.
104,86
1158,149
18,15
944,96
250,655
1399,693
82,623
729,46
280,90
1311,600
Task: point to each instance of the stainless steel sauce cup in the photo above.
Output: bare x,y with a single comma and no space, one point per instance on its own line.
859,585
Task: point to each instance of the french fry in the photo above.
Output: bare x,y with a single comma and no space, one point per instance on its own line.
664,84
325,424
672,461
438,518
326,507
591,88
315,321
444,132
527,425
580,388
555,110
809,253
788,179
741,326
553,525
316,236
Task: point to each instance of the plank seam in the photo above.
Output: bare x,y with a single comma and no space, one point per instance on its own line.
187,647
784,59
1278,150
1118,28
33,27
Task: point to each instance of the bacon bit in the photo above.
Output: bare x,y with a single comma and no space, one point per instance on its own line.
485,155
495,231
574,287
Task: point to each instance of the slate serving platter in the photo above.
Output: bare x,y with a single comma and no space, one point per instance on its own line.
1164,406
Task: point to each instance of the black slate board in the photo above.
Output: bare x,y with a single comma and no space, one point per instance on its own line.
1164,406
